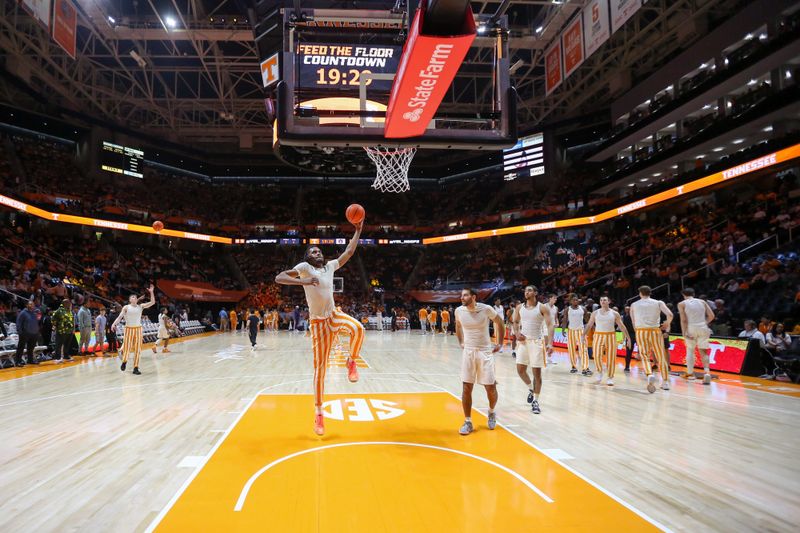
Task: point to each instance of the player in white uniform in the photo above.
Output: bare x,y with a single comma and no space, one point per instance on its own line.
316,277
576,345
553,308
163,332
132,340
477,359
646,318
695,315
531,319
605,338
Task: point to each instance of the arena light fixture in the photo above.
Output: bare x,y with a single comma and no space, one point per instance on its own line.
655,175
171,22
539,29
646,179
737,141
788,74
111,20
767,129
718,149
752,82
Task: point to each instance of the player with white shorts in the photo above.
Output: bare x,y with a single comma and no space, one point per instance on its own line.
696,315
477,359
531,319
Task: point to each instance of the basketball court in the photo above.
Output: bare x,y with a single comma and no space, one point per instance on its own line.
214,436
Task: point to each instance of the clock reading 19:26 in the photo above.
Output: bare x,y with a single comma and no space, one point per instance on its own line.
343,66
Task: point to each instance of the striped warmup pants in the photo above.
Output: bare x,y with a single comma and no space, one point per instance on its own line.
651,340
577,348
132,342
605,343
324,332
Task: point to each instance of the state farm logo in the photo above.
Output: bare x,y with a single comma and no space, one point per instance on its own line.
361,410
412,116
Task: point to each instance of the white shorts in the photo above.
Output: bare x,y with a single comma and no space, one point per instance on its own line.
531,352
477,366
163,333
701,335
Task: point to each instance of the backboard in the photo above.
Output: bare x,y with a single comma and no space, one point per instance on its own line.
338,68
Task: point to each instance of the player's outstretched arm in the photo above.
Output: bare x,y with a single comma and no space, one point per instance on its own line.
351,246
292,277
152,301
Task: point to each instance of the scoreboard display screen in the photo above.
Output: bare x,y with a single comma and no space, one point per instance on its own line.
341,66
121,160
524,159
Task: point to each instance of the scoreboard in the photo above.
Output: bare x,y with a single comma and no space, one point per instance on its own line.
121,160
526,158
341,66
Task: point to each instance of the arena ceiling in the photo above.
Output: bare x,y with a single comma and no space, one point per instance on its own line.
187,71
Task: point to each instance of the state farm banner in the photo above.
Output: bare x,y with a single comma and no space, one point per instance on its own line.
621,11
195,291
596,26
446,297
65,25
552,64
427,68
39,9
572,43
725,355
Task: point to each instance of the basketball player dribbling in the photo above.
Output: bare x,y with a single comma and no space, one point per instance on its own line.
316,276
531,319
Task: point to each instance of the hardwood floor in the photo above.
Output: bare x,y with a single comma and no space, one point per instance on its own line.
86,447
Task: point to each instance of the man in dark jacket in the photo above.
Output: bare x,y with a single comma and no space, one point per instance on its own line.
47,328
626,319
28,331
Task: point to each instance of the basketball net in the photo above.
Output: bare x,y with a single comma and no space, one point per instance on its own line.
392,165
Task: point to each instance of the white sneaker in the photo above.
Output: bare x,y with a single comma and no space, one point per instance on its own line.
706,379
598,379
651,383
665,385
610,382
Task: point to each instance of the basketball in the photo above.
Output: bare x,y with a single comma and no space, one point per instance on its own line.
355,214
158,225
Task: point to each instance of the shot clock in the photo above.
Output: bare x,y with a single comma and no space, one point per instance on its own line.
342,66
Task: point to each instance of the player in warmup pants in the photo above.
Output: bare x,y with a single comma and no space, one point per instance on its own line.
423,319
433,316
576,343
477,358
695,315
252,328
646,318
548,341
605,338
316,277
163,332
132,339
531,319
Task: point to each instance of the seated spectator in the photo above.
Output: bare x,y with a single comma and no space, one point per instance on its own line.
778,340
751,332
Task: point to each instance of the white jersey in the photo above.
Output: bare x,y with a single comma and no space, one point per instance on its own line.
133,315
319,297
475,325
646,313
604,322
575,317
553,313
531,321
695,311
499,310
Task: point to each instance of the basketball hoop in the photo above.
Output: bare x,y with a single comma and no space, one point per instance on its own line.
392,165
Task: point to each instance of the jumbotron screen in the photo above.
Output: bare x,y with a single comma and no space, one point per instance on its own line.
524,159
121,160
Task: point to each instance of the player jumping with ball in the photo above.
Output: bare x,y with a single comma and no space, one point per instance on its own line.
316,276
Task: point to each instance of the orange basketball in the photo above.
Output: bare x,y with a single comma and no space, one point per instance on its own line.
158,225
355,213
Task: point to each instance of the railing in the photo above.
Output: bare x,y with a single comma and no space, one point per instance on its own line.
762,241
652,291
13,295
706,267
622,250
594,281
718,224
650,257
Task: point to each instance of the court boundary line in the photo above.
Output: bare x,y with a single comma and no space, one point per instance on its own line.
247,486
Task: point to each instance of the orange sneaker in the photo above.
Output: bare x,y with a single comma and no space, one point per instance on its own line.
319,425
352,370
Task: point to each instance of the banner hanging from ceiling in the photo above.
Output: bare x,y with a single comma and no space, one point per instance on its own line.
65,25
596,27
552,64
621,11
572,43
